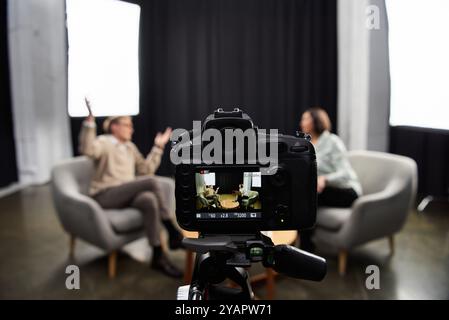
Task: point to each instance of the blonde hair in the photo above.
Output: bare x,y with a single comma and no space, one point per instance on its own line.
109,121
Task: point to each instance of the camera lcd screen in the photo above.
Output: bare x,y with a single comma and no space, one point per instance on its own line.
228,194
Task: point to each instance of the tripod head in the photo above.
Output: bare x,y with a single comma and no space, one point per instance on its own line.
222,257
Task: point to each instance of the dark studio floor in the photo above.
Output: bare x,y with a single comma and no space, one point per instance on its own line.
34,254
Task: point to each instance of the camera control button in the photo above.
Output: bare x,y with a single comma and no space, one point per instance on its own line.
298,149
279,178
281,210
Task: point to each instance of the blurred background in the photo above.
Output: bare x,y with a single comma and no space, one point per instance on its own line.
378,67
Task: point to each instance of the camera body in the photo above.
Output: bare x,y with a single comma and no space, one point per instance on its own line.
250,195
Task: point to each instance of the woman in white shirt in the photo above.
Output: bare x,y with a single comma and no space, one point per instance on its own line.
337,185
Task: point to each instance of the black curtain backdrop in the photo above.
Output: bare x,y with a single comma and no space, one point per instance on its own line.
430,149
8,164
272,58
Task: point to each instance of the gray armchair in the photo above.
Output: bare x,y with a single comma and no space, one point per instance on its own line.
82,217
389,185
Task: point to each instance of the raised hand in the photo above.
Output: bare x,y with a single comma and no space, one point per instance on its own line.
90,117
161,139
321,184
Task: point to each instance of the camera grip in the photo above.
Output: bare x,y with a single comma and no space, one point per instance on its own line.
298,264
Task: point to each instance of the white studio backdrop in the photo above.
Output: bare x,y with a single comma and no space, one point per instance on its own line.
363,75
419,63
103,39
38,67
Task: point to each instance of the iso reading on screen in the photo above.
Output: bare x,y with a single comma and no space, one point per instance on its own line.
229,215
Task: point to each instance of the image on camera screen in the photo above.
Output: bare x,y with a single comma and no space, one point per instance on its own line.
228,195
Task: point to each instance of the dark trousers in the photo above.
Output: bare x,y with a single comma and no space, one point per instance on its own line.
330,197
336,197
149,194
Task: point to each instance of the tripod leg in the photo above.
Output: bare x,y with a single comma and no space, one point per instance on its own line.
270,283
197,284
241,277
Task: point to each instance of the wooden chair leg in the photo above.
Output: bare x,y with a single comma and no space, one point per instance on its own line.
163,241
188,267
270,284
391,243
342,260
72,245
112,264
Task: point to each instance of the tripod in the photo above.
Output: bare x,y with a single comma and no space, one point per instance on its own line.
222,257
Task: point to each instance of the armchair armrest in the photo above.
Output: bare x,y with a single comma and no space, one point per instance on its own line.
83,217
376,215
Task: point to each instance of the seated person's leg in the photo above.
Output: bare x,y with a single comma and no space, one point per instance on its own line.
330,197
162,188
158,187
336,197
167,189
122,195
147,203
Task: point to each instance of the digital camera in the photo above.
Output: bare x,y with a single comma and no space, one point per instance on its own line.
230,188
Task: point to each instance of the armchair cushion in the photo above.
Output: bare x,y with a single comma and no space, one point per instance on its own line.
124,220
82,216
332,218
389,187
